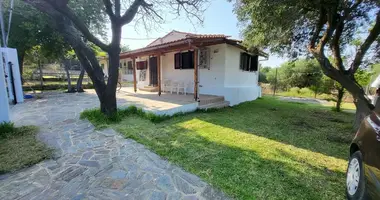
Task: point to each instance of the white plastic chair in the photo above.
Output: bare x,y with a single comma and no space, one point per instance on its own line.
181,86
184,87
174,86
166,86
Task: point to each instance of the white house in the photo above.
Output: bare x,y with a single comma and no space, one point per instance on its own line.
203,64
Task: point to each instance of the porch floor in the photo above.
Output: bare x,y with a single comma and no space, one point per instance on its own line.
165,104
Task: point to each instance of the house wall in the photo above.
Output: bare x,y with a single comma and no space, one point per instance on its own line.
124,70
211,81
141,83
223,78
168,72
239,85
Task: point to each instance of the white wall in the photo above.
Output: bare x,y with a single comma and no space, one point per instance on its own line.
239,85
124,70
140,83
211,81
224,77
168,72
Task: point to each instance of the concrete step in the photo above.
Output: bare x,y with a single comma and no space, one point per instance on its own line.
149,89
216,105
210,100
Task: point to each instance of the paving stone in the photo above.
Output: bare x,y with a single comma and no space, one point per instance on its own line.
210,193
108,132
183,186
87,155
88,163
71,173
79,197
192,179
73,160
93,164
174,196
165,183
118,174
42,177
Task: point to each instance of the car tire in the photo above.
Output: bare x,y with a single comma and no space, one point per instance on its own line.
360,192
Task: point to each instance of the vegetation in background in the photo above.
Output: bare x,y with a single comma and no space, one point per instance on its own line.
321,29
306,73
264,149
19,147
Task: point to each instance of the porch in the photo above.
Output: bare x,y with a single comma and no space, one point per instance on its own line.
167,104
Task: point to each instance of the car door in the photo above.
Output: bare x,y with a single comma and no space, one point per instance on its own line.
371,155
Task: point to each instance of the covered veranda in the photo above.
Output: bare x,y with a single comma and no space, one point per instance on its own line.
165,104
192,42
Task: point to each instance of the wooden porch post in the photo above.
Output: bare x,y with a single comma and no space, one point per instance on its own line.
196,74
134,74
159,73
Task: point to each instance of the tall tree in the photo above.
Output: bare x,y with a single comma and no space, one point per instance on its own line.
321,28
30,28
75,31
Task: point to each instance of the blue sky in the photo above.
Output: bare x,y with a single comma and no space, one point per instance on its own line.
218,19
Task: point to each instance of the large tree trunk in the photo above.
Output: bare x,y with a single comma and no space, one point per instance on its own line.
106,92
67,66
362,102
362,110
80,80
339,99
110,105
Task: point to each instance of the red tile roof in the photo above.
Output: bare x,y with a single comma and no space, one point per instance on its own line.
177,38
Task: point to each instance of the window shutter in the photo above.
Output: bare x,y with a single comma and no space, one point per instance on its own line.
241,61
177,61
191,57
247,60
254,63
141,65
130,65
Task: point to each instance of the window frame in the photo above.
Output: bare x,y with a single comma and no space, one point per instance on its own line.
247,62
184,60
129,67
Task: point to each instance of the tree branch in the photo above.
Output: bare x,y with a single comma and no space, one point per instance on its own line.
335,46
372,36
108,5
130,13
318,28
117,8
335,43
66,11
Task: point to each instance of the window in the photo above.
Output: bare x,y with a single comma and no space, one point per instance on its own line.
248,62
184,60
141,65
130,68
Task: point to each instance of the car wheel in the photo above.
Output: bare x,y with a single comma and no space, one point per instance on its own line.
355,183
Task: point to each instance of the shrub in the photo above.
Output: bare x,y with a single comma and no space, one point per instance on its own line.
306,92
294,90
6,128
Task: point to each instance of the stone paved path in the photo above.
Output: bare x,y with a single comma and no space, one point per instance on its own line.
90,164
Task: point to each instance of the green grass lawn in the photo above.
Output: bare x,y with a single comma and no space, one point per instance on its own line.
264,149
19,148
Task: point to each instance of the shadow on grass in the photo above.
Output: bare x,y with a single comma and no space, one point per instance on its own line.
306,126
229,161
